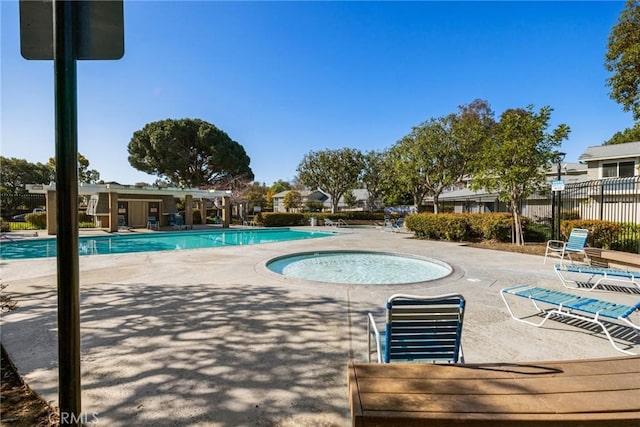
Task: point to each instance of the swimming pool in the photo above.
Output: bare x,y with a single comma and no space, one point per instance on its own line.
151,242
359,267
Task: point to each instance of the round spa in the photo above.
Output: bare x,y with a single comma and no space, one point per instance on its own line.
359,267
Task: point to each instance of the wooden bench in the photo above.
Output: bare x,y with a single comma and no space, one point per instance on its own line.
608,258
595,392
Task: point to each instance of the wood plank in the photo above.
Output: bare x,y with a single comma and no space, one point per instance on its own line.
394,419
535,385
568,404
630,364
577,392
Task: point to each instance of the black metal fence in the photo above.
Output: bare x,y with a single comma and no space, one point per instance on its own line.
610,199
15,204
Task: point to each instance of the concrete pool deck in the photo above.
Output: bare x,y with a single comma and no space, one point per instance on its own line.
210,337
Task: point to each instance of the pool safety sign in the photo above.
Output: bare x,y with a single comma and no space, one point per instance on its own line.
557,185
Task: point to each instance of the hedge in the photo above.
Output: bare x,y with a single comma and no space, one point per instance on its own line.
276,219
458,227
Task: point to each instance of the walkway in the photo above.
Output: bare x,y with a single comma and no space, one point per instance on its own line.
212,338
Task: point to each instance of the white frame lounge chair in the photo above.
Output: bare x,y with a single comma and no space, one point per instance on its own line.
337,223
419,329
153,223
626,277
566,305
575,245
122,224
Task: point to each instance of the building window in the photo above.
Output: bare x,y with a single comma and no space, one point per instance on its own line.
618,169
627,169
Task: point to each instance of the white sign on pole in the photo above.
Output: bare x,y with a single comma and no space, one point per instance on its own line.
557,185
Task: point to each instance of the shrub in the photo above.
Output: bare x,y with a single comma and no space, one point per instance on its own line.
602,234
4,226
456,227
537,232
628,238
453,227
83,217
498,226
275,219
37,220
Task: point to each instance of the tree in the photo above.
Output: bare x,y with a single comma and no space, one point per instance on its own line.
623,59
349,199
373,176
16,173
256,195
292,200
438,153
627,135
279,186
514,161
189,152
331,171
85,175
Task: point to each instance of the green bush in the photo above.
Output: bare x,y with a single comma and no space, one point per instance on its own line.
37,220
4,226
602,234
498,226
83,217
456,227
537,232
275,219
628,238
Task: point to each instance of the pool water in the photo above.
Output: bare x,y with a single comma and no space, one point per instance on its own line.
151,242
359,267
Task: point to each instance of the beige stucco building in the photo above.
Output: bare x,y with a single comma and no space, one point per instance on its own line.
116,205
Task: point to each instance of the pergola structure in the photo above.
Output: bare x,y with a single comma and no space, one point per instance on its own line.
135,204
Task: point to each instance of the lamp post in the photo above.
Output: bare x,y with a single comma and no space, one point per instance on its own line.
558,157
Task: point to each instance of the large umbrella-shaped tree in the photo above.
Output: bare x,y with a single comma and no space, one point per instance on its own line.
189,153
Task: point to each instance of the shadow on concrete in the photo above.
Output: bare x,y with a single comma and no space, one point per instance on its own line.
155,354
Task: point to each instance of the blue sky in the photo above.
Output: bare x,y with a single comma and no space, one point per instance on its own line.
285,78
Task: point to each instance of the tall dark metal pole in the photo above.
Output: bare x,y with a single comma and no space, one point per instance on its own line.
554,235
559,202
64,58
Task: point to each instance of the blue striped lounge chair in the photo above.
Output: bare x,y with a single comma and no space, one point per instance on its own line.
582,308
153,223
419,329
568,273
575,245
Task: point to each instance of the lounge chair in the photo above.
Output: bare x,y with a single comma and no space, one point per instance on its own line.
153,223
122,223
337,223
419,328
563,304
627,277
395,226
575,245
179,223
